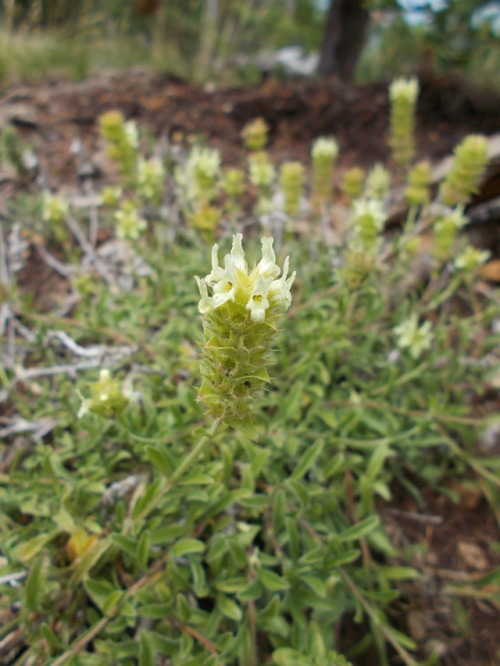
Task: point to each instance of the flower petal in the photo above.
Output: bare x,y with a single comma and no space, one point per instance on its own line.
267,265
217,272
206,302
259,301
238,254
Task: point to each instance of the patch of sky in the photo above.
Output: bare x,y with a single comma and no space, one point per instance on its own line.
419,12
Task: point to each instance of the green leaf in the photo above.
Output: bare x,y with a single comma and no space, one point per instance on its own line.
246,426
272,581
279,511
64,521
377,461
257,501
146,650
163,644
293,537
300,490
167,534
51,638
34,586
126,543
155,611
229,498
259,459
271,610
199,578
194,494
143,549
27,550
112,601
187,546
329,417
359,530
118,626
290,406
313,557
238,554
289,657
161,460
183,607
307,460
89,559
277,625
196,480
340,559
229,608
336,463
398,573
114,650
149,500
98,591
316,584
402,639
217,548
251,592
232,585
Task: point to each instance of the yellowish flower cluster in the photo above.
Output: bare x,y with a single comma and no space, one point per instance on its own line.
258,290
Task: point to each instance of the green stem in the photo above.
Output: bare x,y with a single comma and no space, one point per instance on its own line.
469,460
194,453
442,297
388,635
191,456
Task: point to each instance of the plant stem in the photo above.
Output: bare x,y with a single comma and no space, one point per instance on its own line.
388,635
194,453
171,481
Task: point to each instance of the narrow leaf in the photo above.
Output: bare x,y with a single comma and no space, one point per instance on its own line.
307,460
359,530
272,581
187,546
161,460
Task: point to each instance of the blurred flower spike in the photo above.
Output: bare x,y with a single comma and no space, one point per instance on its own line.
324,152
368,220
240,310
471,259
54,207
254,134
413,337
404,89
129,226
122,141
107,397
464,177
200,174
403,95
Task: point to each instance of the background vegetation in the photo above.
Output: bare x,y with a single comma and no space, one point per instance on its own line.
200,38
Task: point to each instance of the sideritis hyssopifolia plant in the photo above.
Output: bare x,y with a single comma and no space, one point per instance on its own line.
240,310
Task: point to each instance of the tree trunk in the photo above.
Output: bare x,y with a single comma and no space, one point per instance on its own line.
344,38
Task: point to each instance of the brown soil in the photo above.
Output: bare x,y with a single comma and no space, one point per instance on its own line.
457,539
53,115
449,609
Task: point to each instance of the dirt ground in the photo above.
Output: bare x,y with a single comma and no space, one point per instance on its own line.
456,538
54,114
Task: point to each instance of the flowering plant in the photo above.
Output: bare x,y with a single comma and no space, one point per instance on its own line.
240,310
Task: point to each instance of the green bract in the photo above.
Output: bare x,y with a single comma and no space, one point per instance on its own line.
240,309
